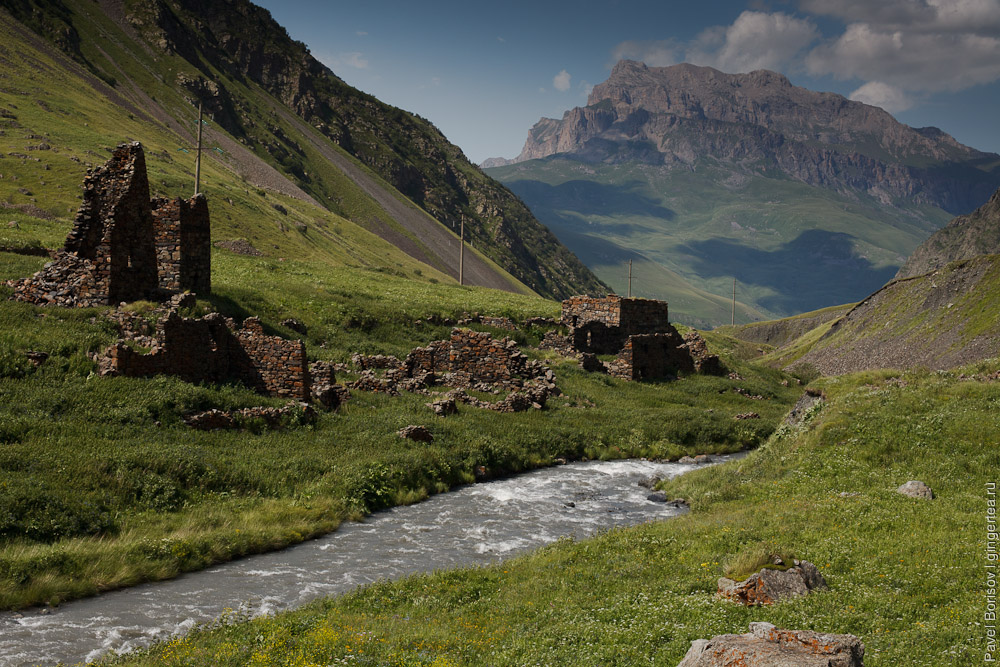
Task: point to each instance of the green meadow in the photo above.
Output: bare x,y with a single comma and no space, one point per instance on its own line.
905,575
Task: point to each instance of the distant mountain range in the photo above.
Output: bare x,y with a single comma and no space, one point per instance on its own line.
808,199
286,123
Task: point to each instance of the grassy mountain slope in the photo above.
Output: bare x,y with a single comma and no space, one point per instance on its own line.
779,333
977,233
286,123
904,575
792,247
58,120
938,320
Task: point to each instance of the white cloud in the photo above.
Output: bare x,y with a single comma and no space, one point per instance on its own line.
501,39
361,33
913,60
585,87
352,59
755,40
936,16
561,81
541,89
882,95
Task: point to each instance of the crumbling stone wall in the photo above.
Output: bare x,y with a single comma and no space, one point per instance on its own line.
467,360
474,353
182,234
115,252
272,364
634,316
638,330
114,228
210,349
650,356
601,325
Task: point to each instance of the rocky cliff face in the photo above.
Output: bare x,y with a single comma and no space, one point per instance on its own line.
758,122
965,237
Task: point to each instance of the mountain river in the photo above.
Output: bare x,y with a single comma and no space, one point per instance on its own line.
475,524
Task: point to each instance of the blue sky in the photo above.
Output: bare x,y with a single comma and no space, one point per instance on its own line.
484,73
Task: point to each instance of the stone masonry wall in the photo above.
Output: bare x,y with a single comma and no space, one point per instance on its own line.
273,365
651,356
183,244
644,316
209,349
113,254
114,228
471,352
579,310
633,316
602,325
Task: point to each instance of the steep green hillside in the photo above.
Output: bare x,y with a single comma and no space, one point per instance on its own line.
939,320
977,233
279,121
904,575
792,247
779,333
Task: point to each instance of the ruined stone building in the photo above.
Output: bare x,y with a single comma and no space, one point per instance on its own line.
213,349
602,325
639,332
124,247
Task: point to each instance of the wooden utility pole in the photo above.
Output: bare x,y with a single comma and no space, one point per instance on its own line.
734,301
630,279
461,254
197,160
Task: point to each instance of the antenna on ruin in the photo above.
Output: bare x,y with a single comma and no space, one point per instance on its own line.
197,160
734,301
630,279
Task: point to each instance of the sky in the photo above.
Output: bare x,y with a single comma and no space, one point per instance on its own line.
484,73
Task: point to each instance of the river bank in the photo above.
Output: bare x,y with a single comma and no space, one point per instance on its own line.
477,524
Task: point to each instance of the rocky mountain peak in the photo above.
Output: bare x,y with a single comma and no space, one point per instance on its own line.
673,116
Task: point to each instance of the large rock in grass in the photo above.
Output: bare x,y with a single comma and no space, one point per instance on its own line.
768,646
916,489
769,585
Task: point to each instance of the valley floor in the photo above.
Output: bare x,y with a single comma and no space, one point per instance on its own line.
905,575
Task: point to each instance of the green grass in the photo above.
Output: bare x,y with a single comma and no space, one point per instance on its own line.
934,319
904,575
104,486
691,231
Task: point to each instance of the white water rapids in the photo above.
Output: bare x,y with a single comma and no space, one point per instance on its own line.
475,524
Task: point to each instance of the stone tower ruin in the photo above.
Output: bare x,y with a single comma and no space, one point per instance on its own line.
124,247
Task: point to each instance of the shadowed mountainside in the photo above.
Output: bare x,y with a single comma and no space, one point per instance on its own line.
747,165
